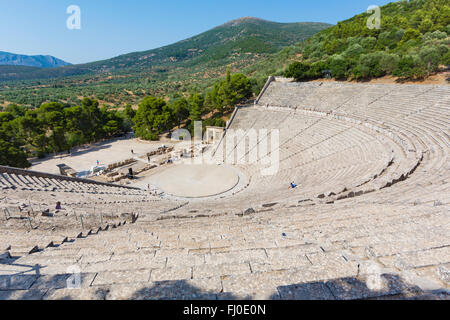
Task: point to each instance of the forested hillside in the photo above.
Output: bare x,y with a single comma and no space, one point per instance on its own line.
189,65
412,43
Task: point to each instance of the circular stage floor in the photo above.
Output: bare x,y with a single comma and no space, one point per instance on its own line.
194,181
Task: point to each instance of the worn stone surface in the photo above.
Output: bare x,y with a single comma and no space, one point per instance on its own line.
118,277
33,294
171,273
306,291
376,155
61,281
363,288
91,293
16,282
206,271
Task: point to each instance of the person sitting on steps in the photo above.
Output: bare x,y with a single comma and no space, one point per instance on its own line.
293,185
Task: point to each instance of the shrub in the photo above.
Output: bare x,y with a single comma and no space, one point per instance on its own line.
446,59
410,67
339,67
298,71
430,57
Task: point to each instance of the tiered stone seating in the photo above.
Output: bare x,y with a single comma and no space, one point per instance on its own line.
370,218
267,255
315,151
31,223
392,107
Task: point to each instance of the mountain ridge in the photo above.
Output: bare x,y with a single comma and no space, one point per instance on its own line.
248,27
251,35
39,61
192,64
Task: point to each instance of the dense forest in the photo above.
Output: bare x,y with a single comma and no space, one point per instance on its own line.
55,127
412,42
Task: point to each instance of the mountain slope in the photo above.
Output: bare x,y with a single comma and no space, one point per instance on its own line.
39,61
413,41
241,36
217,46
191,64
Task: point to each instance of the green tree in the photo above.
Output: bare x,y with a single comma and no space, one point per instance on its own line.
11,153
409,67
180,110
52,121
339,67
16,110
298,70
152,118
446,59
431,57
228,92
375,65
92,115
129,112
196,107
426,25
410,34
111,128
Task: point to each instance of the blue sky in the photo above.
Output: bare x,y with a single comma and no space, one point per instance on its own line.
113,27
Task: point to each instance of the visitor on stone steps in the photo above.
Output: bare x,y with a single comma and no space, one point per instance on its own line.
293,185
58,206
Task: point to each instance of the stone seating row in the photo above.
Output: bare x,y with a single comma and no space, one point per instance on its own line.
263,251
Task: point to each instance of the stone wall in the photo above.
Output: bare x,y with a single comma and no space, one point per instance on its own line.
17,171
269,81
